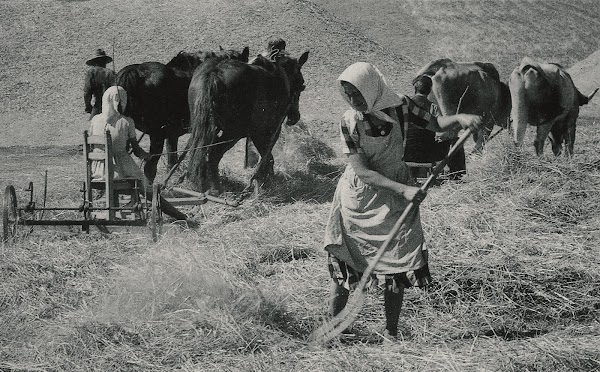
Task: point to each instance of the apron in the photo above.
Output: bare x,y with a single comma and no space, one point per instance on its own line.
362,216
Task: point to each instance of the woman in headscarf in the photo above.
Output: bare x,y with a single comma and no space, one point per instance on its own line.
375,189
122,132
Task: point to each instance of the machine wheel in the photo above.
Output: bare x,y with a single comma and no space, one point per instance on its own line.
10,217
155,213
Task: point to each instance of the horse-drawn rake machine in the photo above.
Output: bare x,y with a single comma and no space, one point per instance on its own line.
106,201
18,219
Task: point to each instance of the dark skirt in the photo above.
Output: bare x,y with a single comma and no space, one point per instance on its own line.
349,278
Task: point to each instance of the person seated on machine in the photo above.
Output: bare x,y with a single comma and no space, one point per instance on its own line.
122,131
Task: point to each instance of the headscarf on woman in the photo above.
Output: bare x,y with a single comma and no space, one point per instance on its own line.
112,98
374,88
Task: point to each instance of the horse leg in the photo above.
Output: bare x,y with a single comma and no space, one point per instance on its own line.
251,157
156,146
215,154
172,155
262,141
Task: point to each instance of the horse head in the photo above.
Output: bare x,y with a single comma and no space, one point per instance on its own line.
292,68
233,54
186,61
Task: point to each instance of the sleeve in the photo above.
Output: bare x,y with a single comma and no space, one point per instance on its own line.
87,92
416,115
350,139
131,129
96,126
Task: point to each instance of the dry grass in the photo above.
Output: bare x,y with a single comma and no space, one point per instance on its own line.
516,283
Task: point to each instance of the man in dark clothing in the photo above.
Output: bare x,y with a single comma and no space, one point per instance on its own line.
421,146
274,46
98,78
457,164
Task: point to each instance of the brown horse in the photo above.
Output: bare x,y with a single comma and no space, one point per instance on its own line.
230,100
157,99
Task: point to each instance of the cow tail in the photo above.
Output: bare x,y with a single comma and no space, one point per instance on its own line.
204,116
583,99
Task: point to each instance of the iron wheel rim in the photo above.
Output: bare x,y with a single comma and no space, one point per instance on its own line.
10,217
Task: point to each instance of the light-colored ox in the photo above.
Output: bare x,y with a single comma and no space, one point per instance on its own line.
544,95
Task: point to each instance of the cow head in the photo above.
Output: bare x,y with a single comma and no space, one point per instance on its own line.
534,100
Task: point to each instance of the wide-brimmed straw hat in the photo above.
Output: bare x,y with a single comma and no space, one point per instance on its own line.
99,57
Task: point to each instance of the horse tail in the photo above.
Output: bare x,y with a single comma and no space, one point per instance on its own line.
207,92
129,78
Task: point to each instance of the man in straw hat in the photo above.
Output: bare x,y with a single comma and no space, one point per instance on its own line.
98,79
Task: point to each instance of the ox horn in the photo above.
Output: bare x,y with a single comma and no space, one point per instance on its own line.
592,94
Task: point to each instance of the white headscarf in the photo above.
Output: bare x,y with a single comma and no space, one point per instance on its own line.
374,88
110,103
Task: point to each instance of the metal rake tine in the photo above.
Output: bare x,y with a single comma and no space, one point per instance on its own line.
341,321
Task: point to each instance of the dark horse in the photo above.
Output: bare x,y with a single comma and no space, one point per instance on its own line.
157,99
230,100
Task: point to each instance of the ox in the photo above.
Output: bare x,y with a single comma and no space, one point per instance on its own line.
544,95
477,86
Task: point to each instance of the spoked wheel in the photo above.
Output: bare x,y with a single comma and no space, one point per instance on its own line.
155,213
10,218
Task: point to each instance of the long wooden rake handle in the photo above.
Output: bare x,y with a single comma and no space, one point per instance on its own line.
342,320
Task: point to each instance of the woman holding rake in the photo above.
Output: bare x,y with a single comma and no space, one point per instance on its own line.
375,189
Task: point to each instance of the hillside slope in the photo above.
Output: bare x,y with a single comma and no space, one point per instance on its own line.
501,32
43,45
586,76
